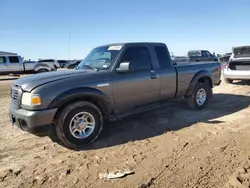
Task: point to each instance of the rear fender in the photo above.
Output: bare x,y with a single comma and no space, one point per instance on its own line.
198,76
42,66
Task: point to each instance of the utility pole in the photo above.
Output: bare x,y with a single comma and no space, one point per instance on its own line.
69,45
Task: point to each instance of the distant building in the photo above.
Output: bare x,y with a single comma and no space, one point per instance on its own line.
7,53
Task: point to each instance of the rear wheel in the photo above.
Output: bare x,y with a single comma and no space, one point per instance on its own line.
200,96
228,81
79,124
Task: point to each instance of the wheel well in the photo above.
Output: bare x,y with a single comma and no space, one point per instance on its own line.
206,79
92,100
42,69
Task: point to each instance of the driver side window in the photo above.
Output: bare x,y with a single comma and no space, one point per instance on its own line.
2,60
138,57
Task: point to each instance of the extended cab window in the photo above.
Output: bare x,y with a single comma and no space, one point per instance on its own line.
209,54
162,56
138,57
2,60
13,59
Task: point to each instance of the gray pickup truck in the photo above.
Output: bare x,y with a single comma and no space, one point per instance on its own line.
111,81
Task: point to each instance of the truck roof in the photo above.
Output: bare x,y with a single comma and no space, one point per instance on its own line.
3,53
197,50
8,55
134,43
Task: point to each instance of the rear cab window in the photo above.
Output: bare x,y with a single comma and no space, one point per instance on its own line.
163,56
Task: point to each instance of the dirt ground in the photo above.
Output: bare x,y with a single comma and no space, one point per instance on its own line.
168,147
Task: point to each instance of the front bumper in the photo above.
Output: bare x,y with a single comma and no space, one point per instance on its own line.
236,75
32,121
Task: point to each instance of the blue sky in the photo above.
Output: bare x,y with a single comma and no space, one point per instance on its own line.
40,29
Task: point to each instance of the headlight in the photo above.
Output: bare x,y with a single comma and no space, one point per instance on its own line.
30,99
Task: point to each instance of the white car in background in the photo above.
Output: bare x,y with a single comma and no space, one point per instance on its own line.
52,62
238,66
14,64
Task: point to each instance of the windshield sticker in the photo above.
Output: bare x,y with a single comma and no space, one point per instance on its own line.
114,47
105,66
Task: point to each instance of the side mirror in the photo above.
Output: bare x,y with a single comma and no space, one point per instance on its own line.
174,62
124,67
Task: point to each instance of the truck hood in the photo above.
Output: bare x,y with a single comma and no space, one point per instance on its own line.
30,82
241,51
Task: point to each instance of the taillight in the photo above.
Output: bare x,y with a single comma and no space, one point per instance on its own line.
220,68
224,66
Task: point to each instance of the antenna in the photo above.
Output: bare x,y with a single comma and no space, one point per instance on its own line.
69,45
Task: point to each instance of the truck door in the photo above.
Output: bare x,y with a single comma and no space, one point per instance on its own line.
3,65
15,64
140,85
166,72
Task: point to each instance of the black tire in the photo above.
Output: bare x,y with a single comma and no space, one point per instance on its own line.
42,70
191,100
228,81
63,124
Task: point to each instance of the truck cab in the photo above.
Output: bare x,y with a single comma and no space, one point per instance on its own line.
9,64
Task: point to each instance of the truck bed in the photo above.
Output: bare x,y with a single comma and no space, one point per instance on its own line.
185,63
186,71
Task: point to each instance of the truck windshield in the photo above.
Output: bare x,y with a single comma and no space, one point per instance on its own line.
100,58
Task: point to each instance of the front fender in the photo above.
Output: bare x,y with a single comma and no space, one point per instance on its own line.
201,74
80,94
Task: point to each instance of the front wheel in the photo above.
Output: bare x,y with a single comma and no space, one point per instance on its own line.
199,98
79,124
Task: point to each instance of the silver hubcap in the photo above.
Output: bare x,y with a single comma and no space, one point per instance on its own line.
201,96
82,125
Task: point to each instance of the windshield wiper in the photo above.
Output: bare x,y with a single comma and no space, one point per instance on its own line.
90,67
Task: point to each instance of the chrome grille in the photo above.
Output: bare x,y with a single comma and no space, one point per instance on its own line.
15,95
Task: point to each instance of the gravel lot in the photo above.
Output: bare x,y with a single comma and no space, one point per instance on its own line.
168,147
